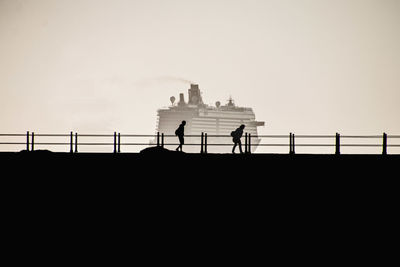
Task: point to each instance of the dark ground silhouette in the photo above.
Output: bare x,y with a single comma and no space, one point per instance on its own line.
156,163
156,175
297,207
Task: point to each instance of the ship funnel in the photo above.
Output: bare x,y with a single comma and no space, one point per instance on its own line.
195,95
181,100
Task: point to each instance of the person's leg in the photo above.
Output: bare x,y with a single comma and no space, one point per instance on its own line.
234,147
240,147
181,142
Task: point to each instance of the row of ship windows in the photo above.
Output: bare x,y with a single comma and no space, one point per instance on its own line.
179,118
209,114
205,130
208,126
236,122
220,127
204,120
220,120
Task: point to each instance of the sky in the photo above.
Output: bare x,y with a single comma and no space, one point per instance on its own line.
99,66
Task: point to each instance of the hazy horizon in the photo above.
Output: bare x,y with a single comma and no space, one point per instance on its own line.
304,66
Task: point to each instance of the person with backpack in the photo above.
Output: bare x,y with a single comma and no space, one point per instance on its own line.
237,134
180,132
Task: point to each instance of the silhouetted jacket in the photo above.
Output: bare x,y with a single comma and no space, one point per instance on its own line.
180,131
237,135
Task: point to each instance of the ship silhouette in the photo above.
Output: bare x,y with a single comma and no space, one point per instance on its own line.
217,121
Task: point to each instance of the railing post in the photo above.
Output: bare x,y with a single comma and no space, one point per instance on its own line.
76,142
384,144
249,143
158,138
119,142
33,142
337,150
71,143
245,143
27,141
293,144
115,142
205,143
201,143
162,140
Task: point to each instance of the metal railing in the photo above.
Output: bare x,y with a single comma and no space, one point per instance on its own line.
74,141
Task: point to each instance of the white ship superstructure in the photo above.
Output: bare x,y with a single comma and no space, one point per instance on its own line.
200,118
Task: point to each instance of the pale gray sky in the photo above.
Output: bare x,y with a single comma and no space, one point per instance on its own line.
306,66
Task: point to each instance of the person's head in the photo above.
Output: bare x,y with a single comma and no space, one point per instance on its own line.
242,126
183,122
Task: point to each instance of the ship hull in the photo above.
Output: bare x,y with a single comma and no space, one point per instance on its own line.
222,144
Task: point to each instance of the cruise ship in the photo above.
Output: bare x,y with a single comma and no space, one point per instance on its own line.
217,121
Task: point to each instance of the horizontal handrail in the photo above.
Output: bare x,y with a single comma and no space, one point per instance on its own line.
12,134
96,135
312,136
138,135
51,135
361,136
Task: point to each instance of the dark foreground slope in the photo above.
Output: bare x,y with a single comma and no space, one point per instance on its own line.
220,181
178,207
173,170
159,174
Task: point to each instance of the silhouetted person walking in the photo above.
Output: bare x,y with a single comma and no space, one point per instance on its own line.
180,132
237,134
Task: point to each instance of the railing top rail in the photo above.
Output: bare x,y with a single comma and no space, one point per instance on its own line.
272,135
138,135
95,135
51,135
15,134
361,136
314,136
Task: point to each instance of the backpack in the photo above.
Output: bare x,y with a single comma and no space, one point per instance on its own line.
179,130
233,133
